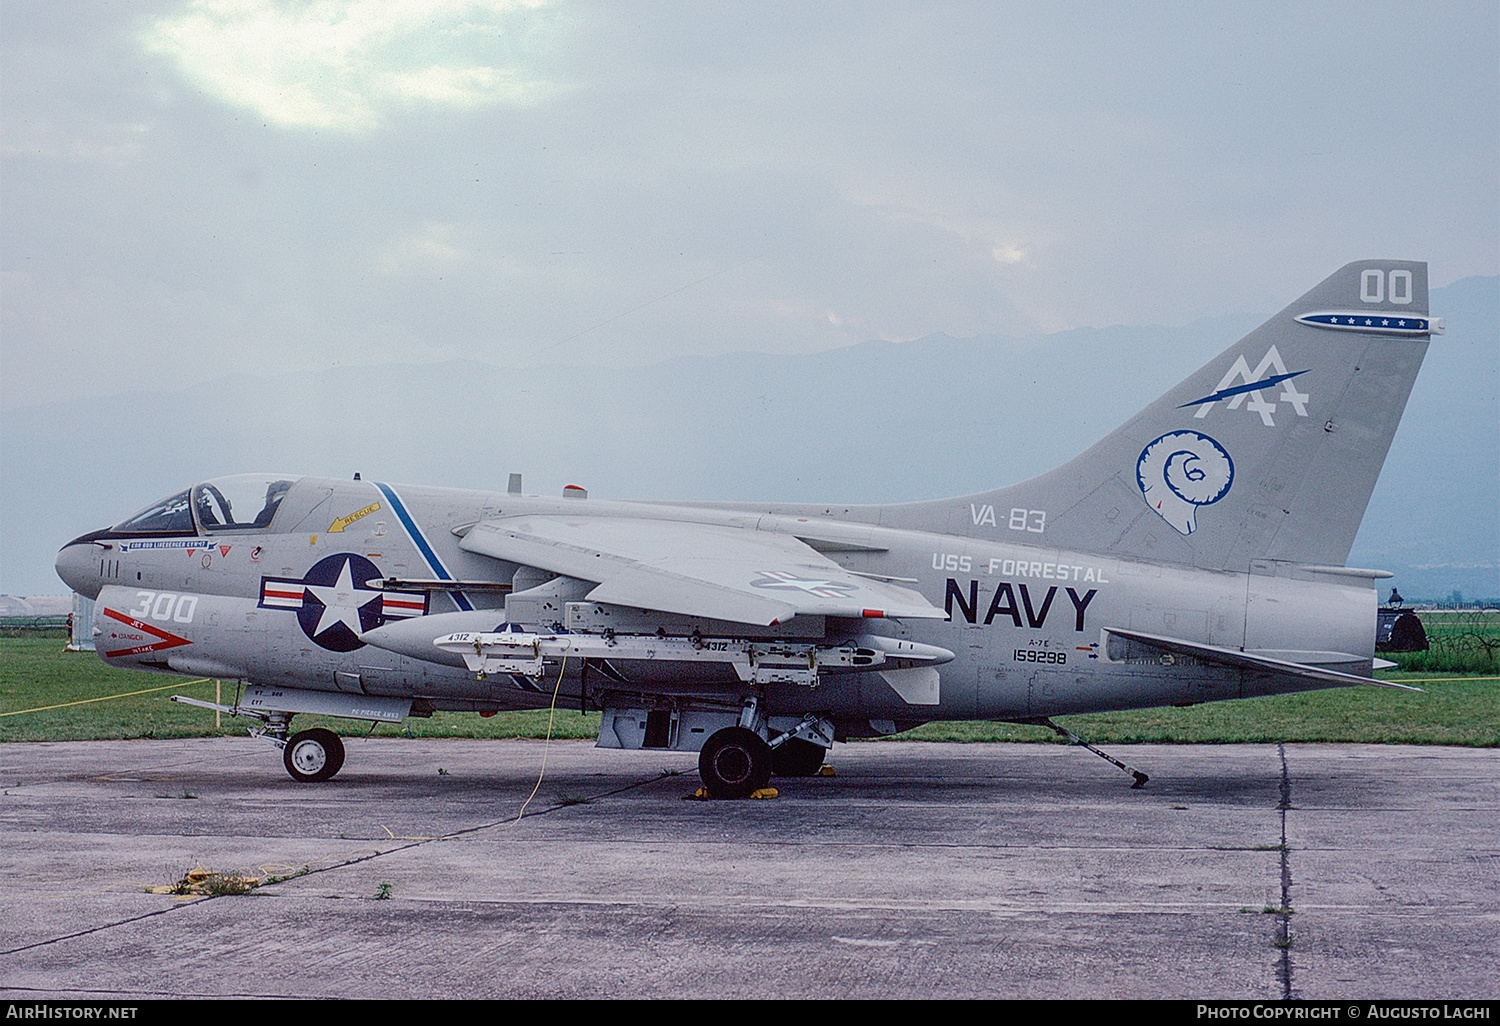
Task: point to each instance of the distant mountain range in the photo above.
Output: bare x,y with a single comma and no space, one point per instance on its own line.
875,422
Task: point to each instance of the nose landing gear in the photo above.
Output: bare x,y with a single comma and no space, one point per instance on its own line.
313,755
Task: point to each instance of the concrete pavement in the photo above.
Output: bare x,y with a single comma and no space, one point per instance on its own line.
921,870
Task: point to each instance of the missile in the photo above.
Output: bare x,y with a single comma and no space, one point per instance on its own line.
415,637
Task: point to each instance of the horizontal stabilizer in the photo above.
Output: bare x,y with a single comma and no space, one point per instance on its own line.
1243,660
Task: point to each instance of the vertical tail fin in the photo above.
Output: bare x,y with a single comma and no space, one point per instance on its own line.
1270,451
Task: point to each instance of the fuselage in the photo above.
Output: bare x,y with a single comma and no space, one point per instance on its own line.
282,603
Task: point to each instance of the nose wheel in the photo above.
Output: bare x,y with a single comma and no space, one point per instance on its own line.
313,755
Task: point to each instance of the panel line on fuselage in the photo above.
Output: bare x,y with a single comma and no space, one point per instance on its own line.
434,562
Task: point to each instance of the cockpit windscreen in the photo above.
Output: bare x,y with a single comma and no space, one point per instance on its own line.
242,502
172,515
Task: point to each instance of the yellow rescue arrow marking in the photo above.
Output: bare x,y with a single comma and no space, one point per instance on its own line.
342,522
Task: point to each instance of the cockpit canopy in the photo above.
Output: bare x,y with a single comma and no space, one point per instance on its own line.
240,503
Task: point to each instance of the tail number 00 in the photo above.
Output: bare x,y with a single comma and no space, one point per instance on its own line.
1376,286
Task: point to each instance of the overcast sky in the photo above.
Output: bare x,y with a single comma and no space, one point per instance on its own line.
193,189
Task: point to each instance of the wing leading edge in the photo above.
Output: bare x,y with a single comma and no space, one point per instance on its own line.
726,573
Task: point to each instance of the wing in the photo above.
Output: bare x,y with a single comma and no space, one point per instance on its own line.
725,573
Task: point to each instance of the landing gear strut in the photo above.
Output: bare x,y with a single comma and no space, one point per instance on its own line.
313,755
735,763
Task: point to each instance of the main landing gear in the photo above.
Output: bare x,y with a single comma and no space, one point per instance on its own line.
735,762
795,757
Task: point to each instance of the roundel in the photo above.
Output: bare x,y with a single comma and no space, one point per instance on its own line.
338,604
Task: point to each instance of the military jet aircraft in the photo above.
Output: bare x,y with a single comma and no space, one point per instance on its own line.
1195,554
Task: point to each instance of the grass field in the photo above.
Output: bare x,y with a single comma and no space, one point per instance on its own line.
1459,640
41,688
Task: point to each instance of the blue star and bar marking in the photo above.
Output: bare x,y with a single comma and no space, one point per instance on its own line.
334,602
1384,324
1249,386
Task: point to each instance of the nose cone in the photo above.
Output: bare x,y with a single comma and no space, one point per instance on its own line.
78,565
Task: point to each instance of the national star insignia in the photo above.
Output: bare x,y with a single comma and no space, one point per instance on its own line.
341,602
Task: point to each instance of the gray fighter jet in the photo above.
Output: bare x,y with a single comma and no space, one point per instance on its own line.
1195,554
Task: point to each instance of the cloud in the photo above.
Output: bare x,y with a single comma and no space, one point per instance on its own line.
348,66
108,144
433,249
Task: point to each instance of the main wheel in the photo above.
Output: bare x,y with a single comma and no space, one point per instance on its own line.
795,757
313,755
735,763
